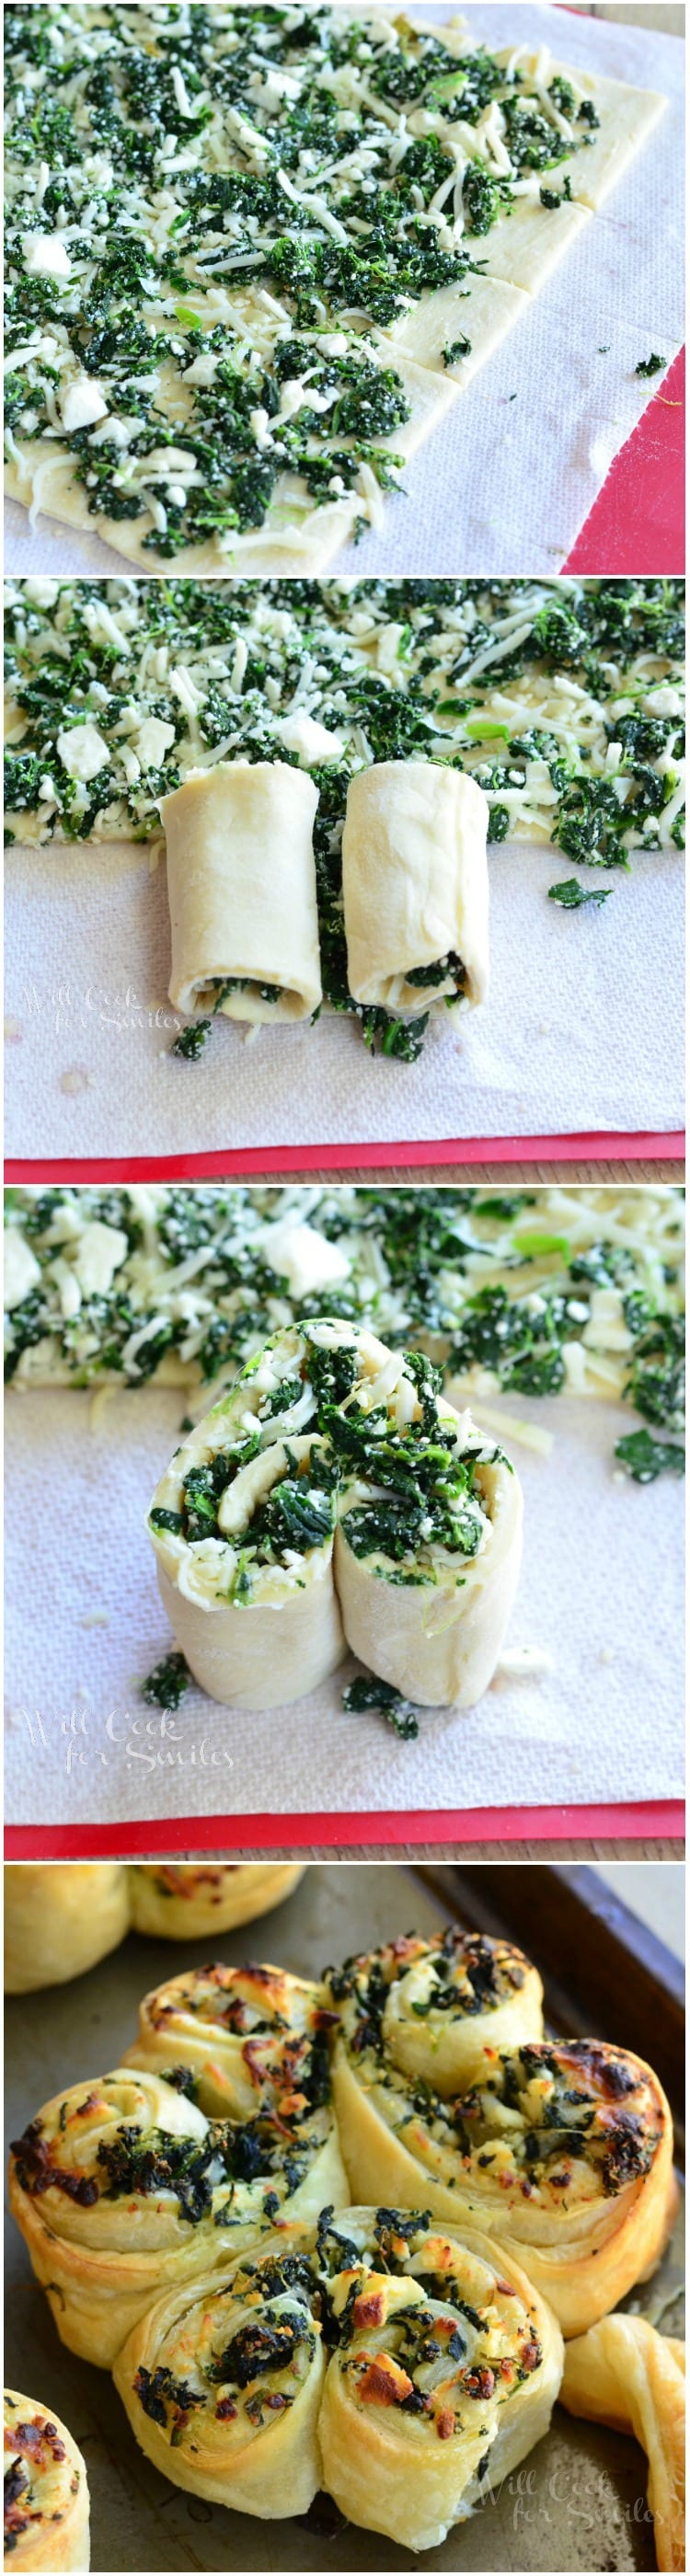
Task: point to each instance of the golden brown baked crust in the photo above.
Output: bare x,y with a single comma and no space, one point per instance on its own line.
63,1916
124,2188
404,2370
46,2490
626,2374
185,1900
248,2035
60,1917
560,2151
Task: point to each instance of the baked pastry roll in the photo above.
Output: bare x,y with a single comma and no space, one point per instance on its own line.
450,2004
252,2038
60,1917
123,2188
173,1900
243,1537
377,2356
242,891
427,1555
415,886
561,2151
222,2385
626,2374
46,2490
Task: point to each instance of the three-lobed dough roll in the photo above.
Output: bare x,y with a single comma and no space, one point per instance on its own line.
63,1916
410,1535
243,1536
46,2490
626,2374
561,2151
242,891
415,886
60,1917
378,2356
124,2187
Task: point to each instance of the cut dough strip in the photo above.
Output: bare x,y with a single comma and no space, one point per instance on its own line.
626,2374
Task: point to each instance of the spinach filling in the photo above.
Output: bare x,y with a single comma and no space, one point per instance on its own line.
430,1496
234,122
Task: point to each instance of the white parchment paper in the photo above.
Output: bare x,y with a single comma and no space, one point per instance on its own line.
600,1597
505,484
582,1029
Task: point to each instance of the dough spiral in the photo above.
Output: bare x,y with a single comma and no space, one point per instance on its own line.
253,1604
336,1486
377,2356
561,2151
46,2490
124,2187
62,1916
626,2374
245,2036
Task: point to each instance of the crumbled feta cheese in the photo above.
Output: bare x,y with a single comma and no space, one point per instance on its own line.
259,422
21,1269
310,740
99,1253
82,751
45,255
82,402
41,590
153,739
304,1257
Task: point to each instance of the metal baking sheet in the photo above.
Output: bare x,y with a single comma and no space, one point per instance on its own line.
578,2502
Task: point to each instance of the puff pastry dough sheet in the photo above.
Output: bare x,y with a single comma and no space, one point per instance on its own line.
627,118
525,249
46,483
483,317
415,880
242,888
306,546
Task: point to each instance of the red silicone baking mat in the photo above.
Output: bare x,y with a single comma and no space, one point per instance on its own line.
637,524
259,1163
660,1818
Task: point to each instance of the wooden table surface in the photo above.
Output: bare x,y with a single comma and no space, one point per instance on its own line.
600,1848
507,1175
